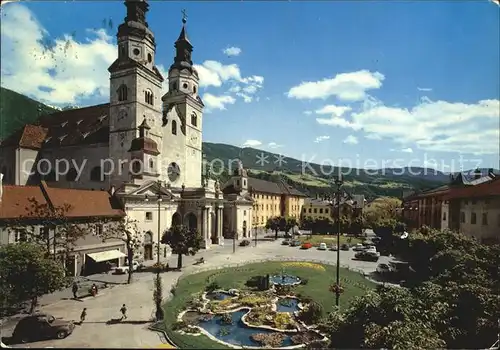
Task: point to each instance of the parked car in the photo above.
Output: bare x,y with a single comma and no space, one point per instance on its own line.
295,243
383,268
344,246
322,246
333,247
286,241
121,270
306,245
41,326
244,243
372,249
358,247
366,256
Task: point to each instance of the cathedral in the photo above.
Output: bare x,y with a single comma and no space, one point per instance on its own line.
144,148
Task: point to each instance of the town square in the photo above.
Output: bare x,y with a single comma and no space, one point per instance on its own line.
176,175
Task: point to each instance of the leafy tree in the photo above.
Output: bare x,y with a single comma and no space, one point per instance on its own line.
312,313
381,209
26,273
273,224
183,241
50,227
128,232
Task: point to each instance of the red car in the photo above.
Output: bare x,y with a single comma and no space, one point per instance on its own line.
306,245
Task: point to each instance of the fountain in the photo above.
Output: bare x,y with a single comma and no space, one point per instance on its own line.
284,279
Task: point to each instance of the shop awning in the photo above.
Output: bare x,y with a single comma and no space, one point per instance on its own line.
106,255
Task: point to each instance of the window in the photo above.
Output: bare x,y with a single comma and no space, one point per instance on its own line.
96,174
262,219
267,206
148,97
151,164
462,217
122,93
237,182
194,119
473,218
326,211
174,127
149,216
185,85
194,89
303,210
485,219
310,211
315,210
244,182
150,58
71,175
444,216
244,213
174,86
321,210
98,229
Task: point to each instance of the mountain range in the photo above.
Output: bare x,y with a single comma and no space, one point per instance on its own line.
313,179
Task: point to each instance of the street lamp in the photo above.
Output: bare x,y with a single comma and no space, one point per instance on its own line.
338,182
159,310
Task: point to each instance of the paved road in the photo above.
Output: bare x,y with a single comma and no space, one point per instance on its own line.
98,331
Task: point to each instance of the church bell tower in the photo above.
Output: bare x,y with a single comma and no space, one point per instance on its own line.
135,89
182,118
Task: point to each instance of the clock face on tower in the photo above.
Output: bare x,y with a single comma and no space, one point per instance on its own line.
122,114
173,171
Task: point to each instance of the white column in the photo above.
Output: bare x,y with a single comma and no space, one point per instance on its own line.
220,224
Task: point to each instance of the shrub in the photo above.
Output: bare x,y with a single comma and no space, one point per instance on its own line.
244,243
283,320
212,287
303,281
283,290
312,313
268,340
227,319
179,325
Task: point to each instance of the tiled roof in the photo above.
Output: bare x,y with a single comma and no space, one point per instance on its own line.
84,203
16,202
315,201
263,186
29,136
89,125
486,189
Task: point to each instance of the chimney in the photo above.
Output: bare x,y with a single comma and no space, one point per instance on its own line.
477,174
491,173
1,187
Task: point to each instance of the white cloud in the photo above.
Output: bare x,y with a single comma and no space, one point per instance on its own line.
320,139
213,73
404,150
431,125
217,102
345,86
308,112
58,70
232,51
351,140
424,89
274,145
496,2
252,143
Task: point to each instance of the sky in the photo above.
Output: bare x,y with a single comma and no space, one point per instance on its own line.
367,84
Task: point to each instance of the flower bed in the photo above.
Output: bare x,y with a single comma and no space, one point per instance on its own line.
308,265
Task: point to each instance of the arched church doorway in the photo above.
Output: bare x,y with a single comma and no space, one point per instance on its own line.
176,219
244,228
191,221
213,233
148,246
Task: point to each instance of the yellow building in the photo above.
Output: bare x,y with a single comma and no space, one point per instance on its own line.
270,199
316,209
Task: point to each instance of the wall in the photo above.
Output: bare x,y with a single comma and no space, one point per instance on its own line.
267,206
488,206
316,211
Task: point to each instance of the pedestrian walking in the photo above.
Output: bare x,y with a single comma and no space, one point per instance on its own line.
123,310
74,289
83,315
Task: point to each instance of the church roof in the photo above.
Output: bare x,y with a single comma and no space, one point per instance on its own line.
29,136
82,126
263,186
16,202
485,189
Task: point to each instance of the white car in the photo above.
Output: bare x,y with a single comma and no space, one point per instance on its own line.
124,269
383,268
372,249
358,247
322,246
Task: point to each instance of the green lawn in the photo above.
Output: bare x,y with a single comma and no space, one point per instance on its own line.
319,278
315,240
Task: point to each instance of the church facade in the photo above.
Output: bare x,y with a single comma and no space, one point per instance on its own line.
146,149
